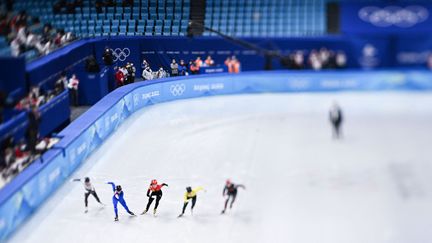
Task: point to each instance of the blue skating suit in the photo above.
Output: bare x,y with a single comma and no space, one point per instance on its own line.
118,198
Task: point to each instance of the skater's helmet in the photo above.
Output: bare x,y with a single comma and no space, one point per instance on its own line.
86,180
189,189
228,182
118,188
154,182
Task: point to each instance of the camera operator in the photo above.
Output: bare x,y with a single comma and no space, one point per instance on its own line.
107,57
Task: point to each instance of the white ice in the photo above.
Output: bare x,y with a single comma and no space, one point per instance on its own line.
374,185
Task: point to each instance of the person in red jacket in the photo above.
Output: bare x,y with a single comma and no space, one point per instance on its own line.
119,77
154,191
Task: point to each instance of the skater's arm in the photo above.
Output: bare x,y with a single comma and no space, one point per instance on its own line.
164,184
148,193
241,186
224,191
197,189
185,197
76,179
113,185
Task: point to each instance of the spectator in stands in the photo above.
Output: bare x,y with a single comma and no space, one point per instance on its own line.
32,132
147,73
228,64
315,61
66,38
36,26
127,3
174,68
193,68
298,62
91,65
235,64
35,98
70,7
209,61
58,6
161,73
198,62
61,84
19,20
130,75
110,3
79,3
4,24
145,64
73,89
119,77
341,60
99,5
47,33
59,35
182,68
107,57
324,57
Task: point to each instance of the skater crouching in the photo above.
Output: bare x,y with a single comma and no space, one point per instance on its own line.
156,192
230,189
89,189
190,195
118,197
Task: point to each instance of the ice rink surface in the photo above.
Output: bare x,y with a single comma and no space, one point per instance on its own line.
374,185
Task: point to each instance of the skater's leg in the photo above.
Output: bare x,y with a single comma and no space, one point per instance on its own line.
184,207
96,196
158,198
115,208
226,203
149,203
123,203
194,199
233,199
86,195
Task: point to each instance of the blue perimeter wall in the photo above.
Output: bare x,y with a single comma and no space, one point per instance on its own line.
29,190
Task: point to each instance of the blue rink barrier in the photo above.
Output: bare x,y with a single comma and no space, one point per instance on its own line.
29,190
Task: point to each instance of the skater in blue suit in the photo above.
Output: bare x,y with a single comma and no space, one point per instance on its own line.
118,198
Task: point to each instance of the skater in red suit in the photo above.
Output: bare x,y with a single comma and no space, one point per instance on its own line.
154,191
230,190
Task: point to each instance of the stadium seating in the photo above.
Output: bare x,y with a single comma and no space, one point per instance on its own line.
149,17
266,18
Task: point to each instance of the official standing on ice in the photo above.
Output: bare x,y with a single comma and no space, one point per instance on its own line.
336,119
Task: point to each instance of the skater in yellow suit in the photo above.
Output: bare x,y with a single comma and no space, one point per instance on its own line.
190,194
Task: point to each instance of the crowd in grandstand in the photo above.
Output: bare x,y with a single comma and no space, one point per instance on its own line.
317,59
15,156
25,33
192,68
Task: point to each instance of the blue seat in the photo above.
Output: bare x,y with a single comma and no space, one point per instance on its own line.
167,30
122,28
140,29
115,22
106,29
118,16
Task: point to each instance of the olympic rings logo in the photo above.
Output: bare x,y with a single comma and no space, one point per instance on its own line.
177,89
120,54
394,15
